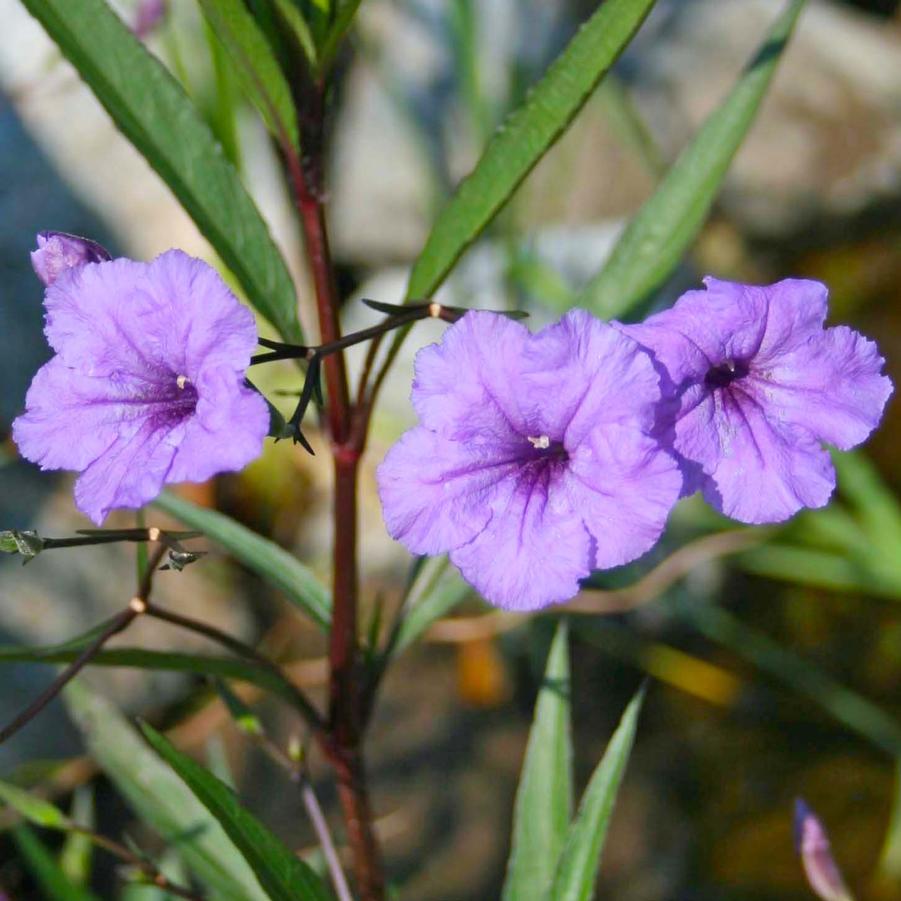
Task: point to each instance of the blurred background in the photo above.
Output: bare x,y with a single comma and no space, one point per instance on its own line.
775,669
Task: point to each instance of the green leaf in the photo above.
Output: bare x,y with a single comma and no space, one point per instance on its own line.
154,113
258,70
35,809
55,886
283,875
577,871
299,27
435,591
661,232
270,562
139,658
77,852
544,799
525,137
346,10
160,798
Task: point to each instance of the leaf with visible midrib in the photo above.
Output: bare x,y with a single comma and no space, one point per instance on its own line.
156,115
662,230
282,874
528,133
544,799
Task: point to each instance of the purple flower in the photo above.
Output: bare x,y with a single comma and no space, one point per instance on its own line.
58,252
147,385
532,465
149,15
756,385
812,843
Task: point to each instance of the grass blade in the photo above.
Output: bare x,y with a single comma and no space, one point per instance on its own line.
663,229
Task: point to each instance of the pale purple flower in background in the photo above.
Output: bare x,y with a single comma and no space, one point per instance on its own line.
532,464
149,15
812,843
147,385
756,386
57,252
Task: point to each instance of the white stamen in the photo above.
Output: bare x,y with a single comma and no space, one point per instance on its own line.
542,442
181,381
730,365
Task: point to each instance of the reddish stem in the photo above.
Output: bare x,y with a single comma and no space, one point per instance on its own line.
343,744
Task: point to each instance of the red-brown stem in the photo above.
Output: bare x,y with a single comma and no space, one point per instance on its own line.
343,745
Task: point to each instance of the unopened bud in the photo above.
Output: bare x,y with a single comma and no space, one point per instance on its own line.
58,252
812,842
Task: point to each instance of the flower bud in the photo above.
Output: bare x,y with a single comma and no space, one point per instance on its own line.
149,15
58,252
812,841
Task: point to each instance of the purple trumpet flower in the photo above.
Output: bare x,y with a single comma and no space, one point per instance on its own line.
147,384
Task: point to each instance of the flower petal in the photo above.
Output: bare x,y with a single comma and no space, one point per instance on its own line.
830,384
174,315
436,493
467,387
574,372
534,550
131,472
71,418
757,469
624,486
227,431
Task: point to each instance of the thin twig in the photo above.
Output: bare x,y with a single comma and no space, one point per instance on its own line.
147,867
119,623
301,702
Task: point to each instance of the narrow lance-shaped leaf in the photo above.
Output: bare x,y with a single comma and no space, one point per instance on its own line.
577,871
437,589
257,67
264,557
661,232
544,798
160,798
156,115
165,661
525,137
283,875
34,809
54,884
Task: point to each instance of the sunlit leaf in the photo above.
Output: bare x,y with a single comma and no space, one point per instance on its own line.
528,133
36,810
655,240
155,114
